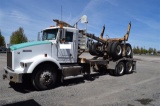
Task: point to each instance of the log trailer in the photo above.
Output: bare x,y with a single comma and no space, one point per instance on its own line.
58,56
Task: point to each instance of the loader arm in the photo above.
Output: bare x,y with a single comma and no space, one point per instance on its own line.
126,36
102,33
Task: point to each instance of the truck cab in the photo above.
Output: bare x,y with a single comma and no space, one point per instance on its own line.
58,47
63,40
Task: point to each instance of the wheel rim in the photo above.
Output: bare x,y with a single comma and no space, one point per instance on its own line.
46,78
120,68
128,50
129,67
119,50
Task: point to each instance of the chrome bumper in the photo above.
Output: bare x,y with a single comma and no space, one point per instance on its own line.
12,76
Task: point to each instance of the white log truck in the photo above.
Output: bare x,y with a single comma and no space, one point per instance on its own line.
57,57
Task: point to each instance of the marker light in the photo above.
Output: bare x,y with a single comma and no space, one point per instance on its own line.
61,25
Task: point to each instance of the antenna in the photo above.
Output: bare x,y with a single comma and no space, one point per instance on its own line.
61,12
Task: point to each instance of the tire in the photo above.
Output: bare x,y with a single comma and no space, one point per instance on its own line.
116,50
129,53
109,48
96,49
119,69
93,50
44,77
129,67
90,46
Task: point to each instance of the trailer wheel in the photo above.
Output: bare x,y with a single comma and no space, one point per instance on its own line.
44,77
129,53
116,50
119,69
129,67
97,48
91,49
109,48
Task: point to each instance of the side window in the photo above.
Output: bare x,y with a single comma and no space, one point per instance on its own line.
51,37
69,36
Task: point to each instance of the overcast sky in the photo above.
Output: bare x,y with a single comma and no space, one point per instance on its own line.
35,15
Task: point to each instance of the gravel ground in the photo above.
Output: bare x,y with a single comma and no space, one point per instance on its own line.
141,88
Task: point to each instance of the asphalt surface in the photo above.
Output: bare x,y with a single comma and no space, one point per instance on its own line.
141,88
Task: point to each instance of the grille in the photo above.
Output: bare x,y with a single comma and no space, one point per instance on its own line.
9,59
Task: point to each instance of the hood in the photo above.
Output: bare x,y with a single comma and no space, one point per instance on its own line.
23,45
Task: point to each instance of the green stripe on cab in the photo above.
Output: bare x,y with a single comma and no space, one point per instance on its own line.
23,45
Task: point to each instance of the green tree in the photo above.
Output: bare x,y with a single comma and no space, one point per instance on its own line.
150,50
2,40
134,50
18,37
138,50
145,51
141,50
154,51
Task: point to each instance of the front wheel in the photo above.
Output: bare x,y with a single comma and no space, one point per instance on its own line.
44,77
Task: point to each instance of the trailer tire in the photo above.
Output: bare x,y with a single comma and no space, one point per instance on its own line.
119,69
96,49
91,49
109,48
116,50
44,77
129,67
129,52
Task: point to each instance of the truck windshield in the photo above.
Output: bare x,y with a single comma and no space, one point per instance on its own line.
50,34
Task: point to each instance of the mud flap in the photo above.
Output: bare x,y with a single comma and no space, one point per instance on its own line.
134,65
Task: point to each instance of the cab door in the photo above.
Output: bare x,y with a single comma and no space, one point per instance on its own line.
66,46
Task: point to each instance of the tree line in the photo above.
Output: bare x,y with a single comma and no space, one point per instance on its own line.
16,37
142,50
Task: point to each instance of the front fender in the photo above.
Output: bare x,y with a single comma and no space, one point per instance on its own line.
40,59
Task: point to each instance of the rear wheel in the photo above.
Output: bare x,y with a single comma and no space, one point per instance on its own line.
129,67
44,77
119,69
